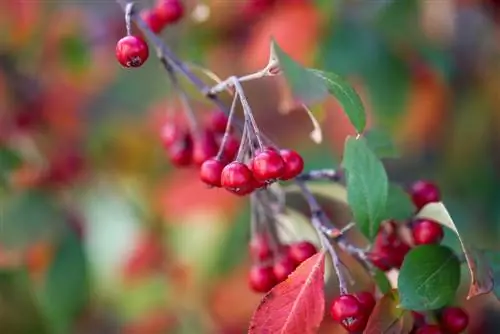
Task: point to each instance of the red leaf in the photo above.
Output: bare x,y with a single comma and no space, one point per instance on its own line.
388,318
296,305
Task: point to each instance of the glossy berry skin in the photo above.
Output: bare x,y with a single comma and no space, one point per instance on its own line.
301,251
169,11
267,165
211,171
204,147
388,250
366,300
261,278
454,320
349,312
153,20
230,149
132,51
424,192
181,151
294,164
237,178
427,232
259,248
283,267
218,122
429,329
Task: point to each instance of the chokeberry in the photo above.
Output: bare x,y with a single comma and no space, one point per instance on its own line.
181,151
429,329
454,320
426,231
366,300
267,165
230,148
261,278
132,51
153,20
259,247
169,134
294,164
218,121
284,267
348,311
389,249
301,251
169,11
204,147
237,178
424,192
211,171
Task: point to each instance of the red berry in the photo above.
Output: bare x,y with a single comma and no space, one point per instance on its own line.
419,317
389,250
294,164
349,312
204,147
284,267
366,300
153,20
181,151
259,248
301,251
218,122
211,171
237,178
424,192
454,320
230,149
261,278
426,232
169,11
429,329
380,259
267,165
169,134
132,51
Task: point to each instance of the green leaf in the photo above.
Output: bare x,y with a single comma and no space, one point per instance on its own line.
429,278
382,282
381,144
399,204
75,53
9,160
399,21
305,85
66,288
347,96
367,186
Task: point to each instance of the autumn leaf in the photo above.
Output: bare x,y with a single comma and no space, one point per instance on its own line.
387,318
481,274
296,305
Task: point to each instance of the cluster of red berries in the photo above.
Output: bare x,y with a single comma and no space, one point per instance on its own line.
352,311
270,270
390,248
451,320
132,50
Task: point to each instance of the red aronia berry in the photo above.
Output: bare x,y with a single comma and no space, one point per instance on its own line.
284,267
301,251
132,51
169,133
181,151
261,278
426,232
169,11
424,192
366,300
294,164
153,20
267,165
218,121
237,178
259,247
348,311
429,329
204,147
454,320
211,172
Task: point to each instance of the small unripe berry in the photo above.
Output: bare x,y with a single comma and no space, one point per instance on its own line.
169,11
294,164
283,267
429,329
424,192
267,165
237,178
301,251
261,278
454,320
132,51
211,171
426,232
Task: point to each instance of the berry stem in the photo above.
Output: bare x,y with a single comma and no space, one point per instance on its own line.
320,174
243,145
129,10
227,132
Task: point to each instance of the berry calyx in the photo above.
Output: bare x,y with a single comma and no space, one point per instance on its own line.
181,151
211,171
132,51
427,232
301,251
454,320
367,301
259,247
204,147
283,267
237,178
424,192
429,329
169,11
261,278
267,165
294,164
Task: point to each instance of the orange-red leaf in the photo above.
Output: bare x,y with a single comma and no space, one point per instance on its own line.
387,318
295,306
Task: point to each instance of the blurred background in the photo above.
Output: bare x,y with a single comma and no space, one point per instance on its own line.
100,234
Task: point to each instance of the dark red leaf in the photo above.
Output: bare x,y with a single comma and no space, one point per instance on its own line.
295,306
387,318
